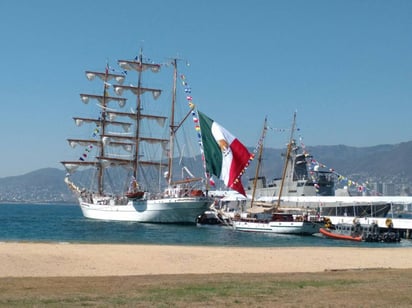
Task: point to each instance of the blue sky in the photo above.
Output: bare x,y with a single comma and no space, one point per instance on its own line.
344,66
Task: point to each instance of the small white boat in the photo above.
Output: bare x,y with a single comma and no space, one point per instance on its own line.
213,219
277,223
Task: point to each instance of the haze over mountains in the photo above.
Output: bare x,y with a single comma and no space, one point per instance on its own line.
382,163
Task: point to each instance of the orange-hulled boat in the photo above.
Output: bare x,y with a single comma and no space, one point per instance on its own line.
342,233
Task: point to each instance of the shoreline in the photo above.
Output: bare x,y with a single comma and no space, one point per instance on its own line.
64,259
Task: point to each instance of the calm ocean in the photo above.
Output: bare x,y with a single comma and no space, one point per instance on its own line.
65,223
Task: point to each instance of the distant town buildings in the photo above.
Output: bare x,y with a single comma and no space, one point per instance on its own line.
389,189
380,189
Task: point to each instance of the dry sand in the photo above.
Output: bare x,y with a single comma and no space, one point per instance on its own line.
61,259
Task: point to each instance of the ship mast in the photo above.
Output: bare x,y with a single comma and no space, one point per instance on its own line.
140,66
138,117
174,127
172,124
100,183
101,125
289,149
258,164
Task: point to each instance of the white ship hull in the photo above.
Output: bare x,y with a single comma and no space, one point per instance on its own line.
169,210
280,227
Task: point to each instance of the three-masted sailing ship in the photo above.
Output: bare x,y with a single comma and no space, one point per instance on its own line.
150,192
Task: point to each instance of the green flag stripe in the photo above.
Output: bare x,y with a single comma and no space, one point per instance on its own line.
213,154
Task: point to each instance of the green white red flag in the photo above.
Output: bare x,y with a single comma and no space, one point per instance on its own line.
226,157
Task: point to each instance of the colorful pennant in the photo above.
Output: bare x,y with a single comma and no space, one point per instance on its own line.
89,148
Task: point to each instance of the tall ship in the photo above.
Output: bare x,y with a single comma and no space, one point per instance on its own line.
130,159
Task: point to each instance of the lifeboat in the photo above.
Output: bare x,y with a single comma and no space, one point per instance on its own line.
135,194
339,236
196,193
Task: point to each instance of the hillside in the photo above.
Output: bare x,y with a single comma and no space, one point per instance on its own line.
383,163
40,186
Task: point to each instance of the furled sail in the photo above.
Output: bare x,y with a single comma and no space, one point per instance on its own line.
161,120
137,90
125,125
103,99
105,76
138,66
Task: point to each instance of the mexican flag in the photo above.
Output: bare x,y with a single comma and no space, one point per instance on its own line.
226,157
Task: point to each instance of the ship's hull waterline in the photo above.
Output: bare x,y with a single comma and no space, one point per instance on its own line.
281,227
171,210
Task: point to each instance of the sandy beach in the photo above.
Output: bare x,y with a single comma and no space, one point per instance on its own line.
69,260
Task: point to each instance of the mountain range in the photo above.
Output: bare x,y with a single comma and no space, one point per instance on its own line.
382,163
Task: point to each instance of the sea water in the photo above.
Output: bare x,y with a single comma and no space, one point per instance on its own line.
65,223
